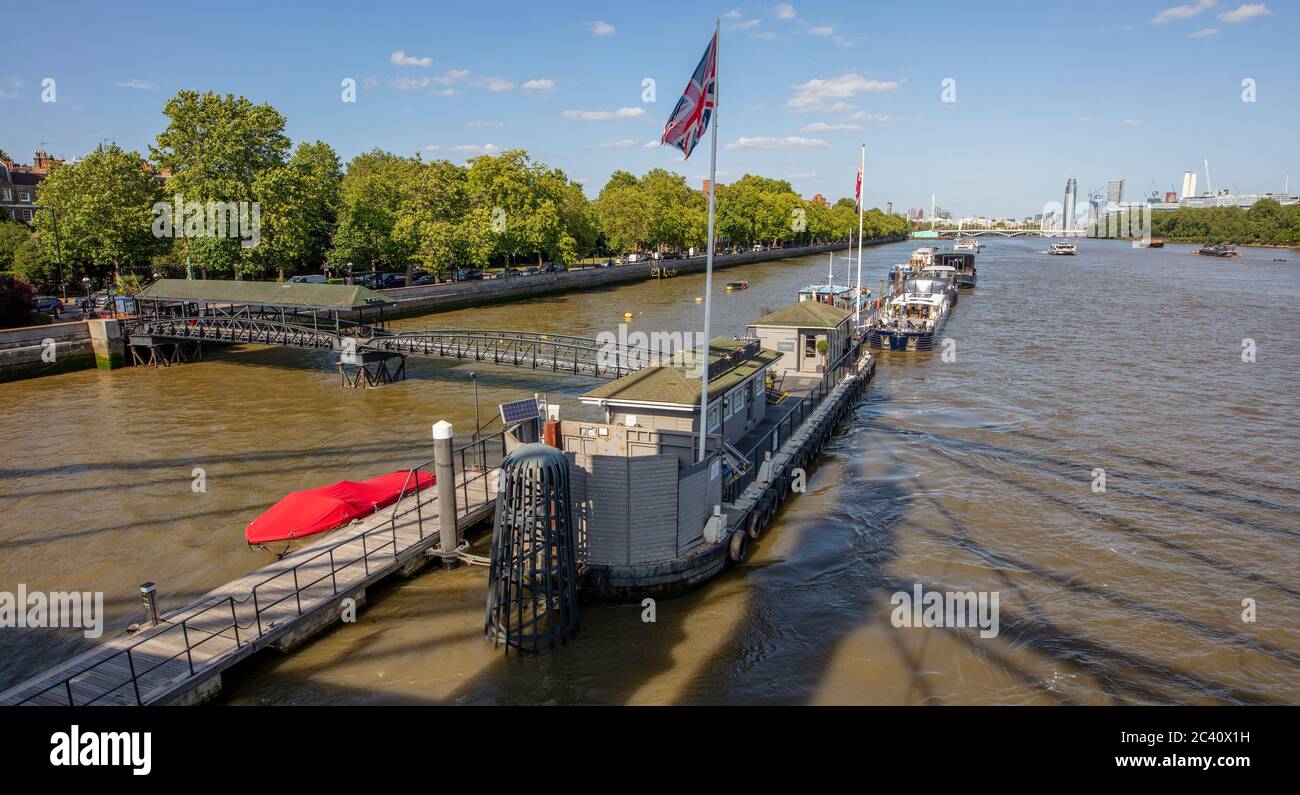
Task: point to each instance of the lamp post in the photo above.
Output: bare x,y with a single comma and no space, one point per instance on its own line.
474,377
58,249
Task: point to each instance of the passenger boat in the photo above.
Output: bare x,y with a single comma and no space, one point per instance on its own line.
923,256
1066,247
306,513
963,265
969,244
1221,250
737,285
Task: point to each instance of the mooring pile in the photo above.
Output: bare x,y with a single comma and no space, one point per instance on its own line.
532,598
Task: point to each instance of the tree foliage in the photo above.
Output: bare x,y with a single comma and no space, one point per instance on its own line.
104,212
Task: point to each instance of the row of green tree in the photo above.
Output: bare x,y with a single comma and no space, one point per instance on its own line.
1265,222
383,212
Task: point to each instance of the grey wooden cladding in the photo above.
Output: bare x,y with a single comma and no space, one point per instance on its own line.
652,508
626,508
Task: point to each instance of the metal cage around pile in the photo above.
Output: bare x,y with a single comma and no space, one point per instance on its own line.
532,602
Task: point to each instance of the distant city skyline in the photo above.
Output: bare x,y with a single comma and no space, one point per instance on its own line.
993,126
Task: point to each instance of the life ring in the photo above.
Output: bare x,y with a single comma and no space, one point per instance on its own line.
738,548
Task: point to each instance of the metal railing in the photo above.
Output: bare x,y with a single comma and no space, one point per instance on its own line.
480,457
129,652
783,430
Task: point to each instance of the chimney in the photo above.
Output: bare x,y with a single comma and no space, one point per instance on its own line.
41,161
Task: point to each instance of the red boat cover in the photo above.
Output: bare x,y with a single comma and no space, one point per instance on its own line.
304,513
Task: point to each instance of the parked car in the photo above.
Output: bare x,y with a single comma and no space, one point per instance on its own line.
422,279
394,280
605,263
528,272
309,278
637,257
670,255
49,305
758,247
507,273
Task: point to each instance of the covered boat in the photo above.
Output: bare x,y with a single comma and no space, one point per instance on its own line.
305,513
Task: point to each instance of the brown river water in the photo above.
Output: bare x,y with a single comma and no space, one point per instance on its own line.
972,474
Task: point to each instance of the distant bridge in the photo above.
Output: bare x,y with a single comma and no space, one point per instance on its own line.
959,233
520,349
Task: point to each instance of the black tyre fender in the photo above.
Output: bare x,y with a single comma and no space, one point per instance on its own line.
754,525
738,547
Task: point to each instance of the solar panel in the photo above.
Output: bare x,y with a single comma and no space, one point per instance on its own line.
518,411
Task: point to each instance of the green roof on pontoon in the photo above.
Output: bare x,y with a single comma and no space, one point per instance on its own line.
342,297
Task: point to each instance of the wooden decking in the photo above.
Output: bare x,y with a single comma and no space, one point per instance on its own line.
295,595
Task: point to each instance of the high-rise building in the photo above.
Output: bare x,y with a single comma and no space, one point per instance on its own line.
1115,192
1071,191
1189,184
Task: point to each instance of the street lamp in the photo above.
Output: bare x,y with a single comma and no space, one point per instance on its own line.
474,377
58,250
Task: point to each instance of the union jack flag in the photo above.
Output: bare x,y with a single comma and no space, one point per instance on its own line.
690,119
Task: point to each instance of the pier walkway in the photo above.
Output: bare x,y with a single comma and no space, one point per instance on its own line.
280,605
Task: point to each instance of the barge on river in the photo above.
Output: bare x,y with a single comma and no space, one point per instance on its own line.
653,517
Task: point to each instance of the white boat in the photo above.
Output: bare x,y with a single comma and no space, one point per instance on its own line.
1063,247
923,257
969,244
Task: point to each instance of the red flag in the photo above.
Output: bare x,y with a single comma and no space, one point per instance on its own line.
857,193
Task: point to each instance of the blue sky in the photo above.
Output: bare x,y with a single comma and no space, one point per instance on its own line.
1101,90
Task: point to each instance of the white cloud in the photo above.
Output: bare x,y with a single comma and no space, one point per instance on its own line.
822,30
452,76
601,28
539,84
732,14
465,149
841,107
789,142
821,126
813,94
1200,34
748,24
622,143
1132,122
604,115
1245,11
480,124
765,35
12,91
862,115
1182,12
411,83
493,83
400,58
655,144
142,85
784,11
370,82
801,175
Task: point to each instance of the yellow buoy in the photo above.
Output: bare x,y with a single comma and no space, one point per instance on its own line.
699,300
627,315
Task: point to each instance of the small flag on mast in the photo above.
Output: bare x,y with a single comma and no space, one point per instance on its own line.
857,193
690,119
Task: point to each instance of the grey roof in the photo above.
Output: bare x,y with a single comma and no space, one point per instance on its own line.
805,314
227,291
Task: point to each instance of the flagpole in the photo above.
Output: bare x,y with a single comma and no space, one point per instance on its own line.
857,304
708,261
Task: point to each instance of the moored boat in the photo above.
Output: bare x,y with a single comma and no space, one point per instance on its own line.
740,284
963,265
1063,247
909,322
969,244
